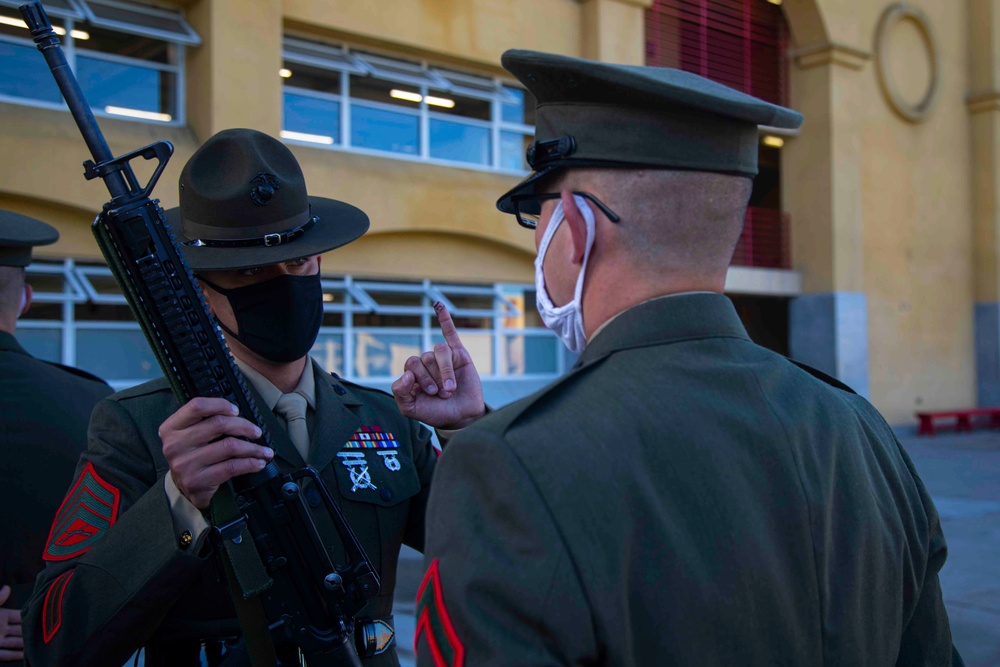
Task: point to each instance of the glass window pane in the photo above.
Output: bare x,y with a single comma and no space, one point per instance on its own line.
24,74
479,345
312,78
384,130
513,148
41,343
459,142
328,351
312,115
126,18
522,111
125,44
526,304
379,354
530,354
126,86
456,105
116,354
377,90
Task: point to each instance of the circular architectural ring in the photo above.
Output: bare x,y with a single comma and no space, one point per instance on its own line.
893,14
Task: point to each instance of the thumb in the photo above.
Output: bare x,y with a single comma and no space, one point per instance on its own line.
4,594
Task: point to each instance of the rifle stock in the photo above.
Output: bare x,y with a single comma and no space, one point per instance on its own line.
308,600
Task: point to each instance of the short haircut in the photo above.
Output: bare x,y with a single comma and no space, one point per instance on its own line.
682,220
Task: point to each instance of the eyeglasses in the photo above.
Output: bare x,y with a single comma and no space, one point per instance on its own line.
528,208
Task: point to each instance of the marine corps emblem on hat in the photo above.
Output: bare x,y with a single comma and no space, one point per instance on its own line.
243,203
593,114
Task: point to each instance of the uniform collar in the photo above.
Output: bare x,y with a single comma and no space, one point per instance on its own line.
270,394
9,344
666,320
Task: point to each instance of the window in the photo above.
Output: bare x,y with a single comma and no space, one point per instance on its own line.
369,103
740,43
79,317
128,58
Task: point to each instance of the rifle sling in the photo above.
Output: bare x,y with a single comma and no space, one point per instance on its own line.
247,578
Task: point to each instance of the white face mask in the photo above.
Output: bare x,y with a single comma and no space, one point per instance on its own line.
566,320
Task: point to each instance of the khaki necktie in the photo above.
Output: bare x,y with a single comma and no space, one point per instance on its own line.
293,408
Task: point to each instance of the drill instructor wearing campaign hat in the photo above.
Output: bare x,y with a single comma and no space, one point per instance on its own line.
145,575
682,496
44,411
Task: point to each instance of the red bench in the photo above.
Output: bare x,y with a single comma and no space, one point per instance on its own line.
961,420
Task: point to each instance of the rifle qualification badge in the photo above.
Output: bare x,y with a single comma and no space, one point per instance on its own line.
357,465
390,460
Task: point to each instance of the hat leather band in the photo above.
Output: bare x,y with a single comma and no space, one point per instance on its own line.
267,240
629,136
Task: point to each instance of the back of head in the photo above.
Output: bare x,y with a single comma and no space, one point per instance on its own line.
685,221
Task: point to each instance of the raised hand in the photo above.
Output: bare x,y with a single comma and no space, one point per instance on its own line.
206,445
11,642
441,387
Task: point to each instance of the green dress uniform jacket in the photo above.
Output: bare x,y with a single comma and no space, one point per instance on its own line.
44,411
682,497
134,583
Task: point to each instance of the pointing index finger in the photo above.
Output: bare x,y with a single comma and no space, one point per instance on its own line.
447,326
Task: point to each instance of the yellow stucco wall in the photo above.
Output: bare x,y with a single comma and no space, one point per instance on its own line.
882,205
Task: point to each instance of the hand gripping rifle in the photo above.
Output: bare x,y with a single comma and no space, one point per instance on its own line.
275,559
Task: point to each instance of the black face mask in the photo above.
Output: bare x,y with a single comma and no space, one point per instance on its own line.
278,318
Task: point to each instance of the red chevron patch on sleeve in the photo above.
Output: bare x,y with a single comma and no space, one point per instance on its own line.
86,514
52,616
434,624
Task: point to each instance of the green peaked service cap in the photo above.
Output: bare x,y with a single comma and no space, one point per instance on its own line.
19,234
594,114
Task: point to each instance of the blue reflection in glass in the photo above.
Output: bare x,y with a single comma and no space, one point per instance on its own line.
378,354
512,151
116,355
513,112
312,115
384,130
115,84
23,73
41,343
328,351
459,142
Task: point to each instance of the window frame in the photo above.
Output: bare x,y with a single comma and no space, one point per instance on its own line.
426,79
177,54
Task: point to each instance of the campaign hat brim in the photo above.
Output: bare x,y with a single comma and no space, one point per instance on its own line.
338,224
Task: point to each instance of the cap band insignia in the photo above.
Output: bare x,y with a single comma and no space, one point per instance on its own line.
86,514
52,616
541,152
433,623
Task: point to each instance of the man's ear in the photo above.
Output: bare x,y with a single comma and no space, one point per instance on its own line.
573,218
28,293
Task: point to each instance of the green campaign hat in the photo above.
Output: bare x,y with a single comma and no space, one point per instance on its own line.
19,234
243,203
594,114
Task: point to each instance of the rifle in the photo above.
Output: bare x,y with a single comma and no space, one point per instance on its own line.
275,558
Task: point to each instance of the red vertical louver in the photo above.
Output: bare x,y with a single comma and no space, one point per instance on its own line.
740,43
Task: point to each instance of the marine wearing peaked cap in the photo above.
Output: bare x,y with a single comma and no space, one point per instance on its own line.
592,114
682,496
244,202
